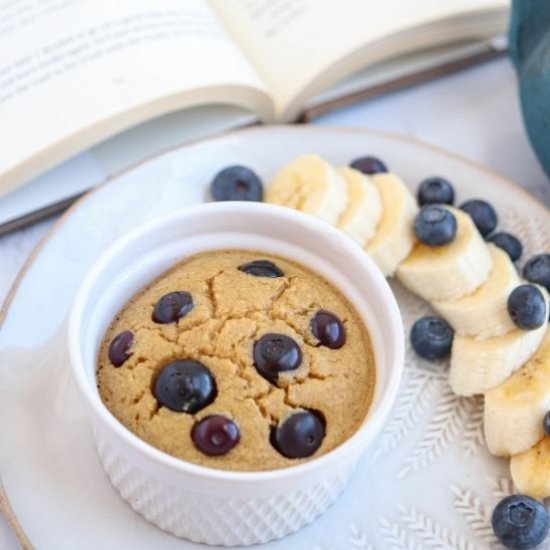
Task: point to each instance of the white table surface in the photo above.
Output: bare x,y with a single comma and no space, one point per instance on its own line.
474,113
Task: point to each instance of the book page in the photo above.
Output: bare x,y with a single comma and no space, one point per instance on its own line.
53,189
73,72
291,42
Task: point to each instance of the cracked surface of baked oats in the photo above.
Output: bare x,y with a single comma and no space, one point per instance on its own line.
232,310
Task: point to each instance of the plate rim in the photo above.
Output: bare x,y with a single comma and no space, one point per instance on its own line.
5,507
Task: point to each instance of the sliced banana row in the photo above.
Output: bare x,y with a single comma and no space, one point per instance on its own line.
467,281
375,211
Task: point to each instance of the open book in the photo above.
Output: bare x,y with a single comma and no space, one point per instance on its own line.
74,73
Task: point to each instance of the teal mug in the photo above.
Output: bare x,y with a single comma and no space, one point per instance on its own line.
529,39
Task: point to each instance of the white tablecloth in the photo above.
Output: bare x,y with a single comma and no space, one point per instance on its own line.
474,113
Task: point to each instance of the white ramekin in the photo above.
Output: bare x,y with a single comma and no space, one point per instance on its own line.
204,504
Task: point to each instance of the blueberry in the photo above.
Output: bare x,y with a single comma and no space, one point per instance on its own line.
537,270
527,307
520,522
328,329
172,307
432,338
237,183
435,191
215,435
119,348
435,225
300,435
185,386
483,214
369,165
510,244
546,423
261,268
275,353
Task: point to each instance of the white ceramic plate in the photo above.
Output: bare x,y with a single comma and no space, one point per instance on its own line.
428,482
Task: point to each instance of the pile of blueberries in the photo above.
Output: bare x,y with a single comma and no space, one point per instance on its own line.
188,386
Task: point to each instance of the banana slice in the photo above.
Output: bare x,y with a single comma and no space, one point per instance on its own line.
531,470
364,208
394,237
450,271
311,185
479,365
514,410
484,312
